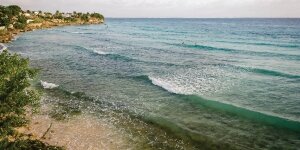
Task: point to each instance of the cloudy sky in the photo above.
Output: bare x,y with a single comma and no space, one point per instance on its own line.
169,8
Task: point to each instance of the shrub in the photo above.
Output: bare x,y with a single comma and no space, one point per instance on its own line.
19,25
97,15
14,9
84,17
15,93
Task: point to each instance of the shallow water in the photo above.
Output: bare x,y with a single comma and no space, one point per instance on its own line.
234,81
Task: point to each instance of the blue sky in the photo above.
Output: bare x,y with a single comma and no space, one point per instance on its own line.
169,8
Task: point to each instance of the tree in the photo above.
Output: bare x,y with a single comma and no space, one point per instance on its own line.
97,15
84,17
4,21
22,19
15,10
15,94
57,13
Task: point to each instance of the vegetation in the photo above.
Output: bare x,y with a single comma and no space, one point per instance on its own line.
97,15
27,145
15,97
14,92
12,15
14,20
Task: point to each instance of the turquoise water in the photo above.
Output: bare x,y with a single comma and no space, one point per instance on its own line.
234,81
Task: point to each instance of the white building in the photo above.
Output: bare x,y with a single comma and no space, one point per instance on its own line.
2,28
27,15
29,21
66,15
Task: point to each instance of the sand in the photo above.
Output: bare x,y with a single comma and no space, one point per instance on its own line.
81,132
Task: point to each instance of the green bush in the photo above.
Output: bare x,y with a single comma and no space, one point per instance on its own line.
19,25
15,93
14,9
84,17
4,21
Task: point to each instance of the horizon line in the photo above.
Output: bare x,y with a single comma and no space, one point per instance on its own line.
202,17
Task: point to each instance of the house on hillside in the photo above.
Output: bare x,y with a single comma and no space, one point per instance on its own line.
66,15
27,15
2,28
29,21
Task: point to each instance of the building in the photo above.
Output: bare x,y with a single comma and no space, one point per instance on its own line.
27,15
29,21
2,28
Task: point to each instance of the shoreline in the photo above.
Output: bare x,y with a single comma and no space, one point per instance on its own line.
2,47
79,132
11,34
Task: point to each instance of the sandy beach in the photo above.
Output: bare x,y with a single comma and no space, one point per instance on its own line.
77,133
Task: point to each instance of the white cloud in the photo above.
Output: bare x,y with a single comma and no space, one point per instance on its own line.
169,8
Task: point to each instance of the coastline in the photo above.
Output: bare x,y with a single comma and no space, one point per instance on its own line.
9,35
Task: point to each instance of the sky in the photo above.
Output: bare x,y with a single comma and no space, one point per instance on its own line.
169,8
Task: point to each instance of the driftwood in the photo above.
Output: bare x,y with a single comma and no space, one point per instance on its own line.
43,137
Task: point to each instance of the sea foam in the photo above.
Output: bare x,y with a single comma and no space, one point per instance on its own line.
47,85
173,88
100,52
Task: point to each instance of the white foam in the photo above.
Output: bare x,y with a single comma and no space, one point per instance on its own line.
100,52
78,32
47,85
169,86
193,81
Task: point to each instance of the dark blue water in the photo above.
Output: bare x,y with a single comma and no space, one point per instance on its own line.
227,80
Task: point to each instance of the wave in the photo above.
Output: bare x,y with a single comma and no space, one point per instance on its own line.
115,56
262,71
273,120
74,32
47,85
237,51
119,57
203,47
167,86
81,32
129,59
263,44
272,73
100,52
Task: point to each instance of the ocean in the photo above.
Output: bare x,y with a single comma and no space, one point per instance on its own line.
179,83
